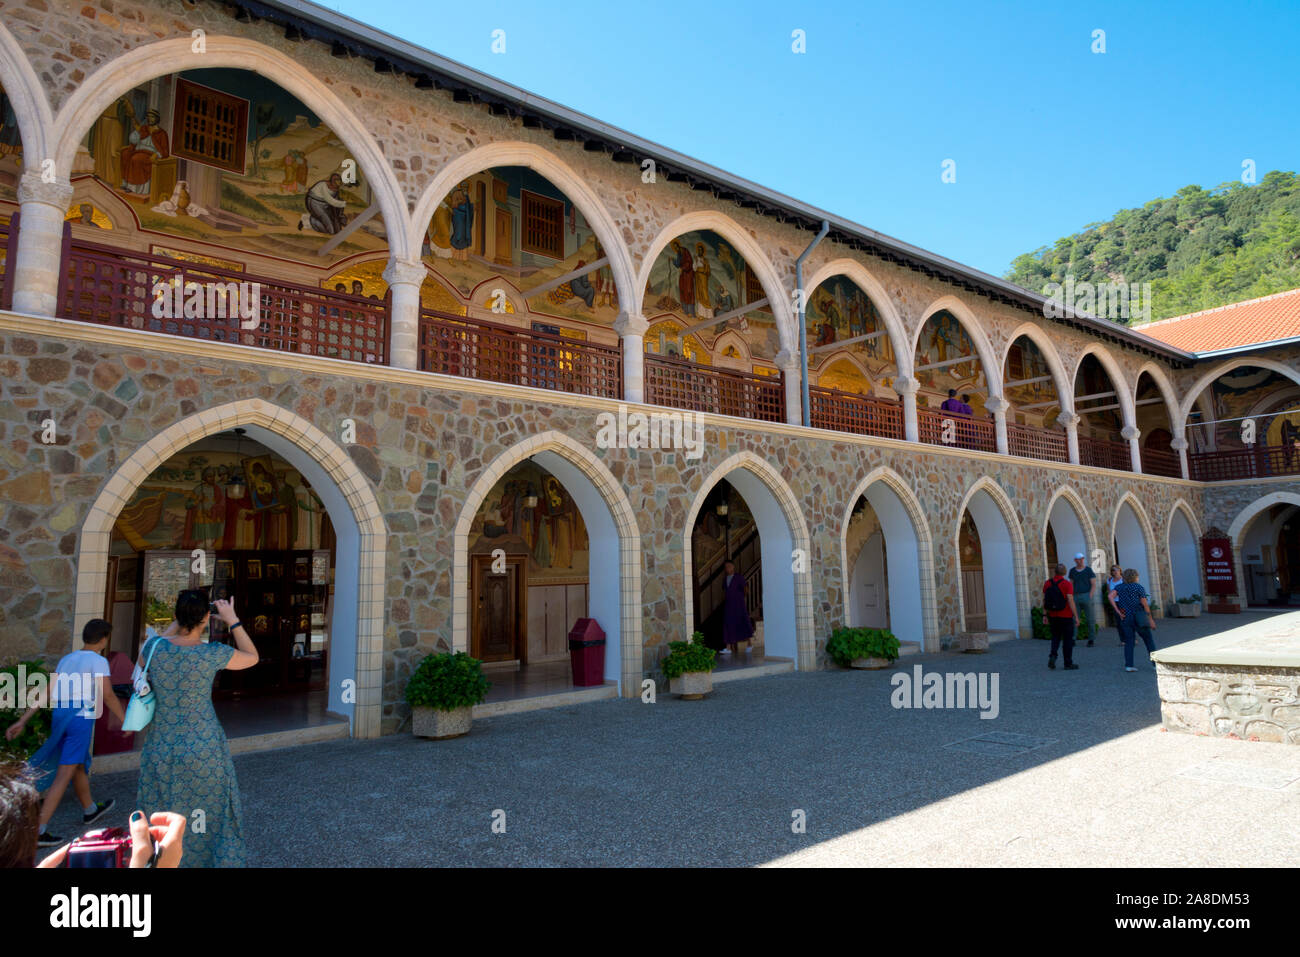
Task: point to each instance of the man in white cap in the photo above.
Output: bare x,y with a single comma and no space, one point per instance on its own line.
1081,577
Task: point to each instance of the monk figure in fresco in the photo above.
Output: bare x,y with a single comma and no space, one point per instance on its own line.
686,278
703,305
146,142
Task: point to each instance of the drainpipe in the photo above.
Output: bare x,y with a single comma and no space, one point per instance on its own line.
801,303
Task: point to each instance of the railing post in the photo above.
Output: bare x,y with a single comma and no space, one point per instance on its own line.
789,364
1070,421
1131,434
907,387
404,280
631,331
1179,445
999,406
39,260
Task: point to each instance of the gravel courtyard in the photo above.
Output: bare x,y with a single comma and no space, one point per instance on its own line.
1077,772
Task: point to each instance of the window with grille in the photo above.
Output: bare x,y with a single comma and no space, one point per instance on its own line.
753,288
210,127
543,224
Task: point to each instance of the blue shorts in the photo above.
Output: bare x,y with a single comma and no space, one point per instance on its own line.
77,735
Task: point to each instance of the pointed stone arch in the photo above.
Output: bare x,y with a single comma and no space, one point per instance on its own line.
1184,555
970,322
1060,378
1075,503
25,92
1124,389
164,57
1118,528
1241,524
749,249
1173,407
1227,365
781,530
1015,545
561,176
361,548
854,271
615,531
929,611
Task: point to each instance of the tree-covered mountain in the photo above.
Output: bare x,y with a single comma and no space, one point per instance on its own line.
1198,248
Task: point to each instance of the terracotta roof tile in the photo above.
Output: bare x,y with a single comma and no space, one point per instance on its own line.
1254,321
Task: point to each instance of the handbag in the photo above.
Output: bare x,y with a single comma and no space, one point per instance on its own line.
139,710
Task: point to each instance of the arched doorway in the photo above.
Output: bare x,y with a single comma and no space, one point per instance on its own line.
1064,535
887,563
1133,549
353,616
990,557
1184,555
1266,539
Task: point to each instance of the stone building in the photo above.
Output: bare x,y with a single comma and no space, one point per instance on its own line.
345,319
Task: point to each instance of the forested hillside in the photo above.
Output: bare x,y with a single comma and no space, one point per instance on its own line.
1198,248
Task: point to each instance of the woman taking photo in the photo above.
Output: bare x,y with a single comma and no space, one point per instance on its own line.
185,765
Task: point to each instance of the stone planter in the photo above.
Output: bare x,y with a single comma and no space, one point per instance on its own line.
870,664
973,642
692,685
432,723
1188,609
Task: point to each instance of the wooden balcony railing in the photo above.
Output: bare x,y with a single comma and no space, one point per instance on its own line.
859,414
1260,461
454,345
1161,462
964,433
116,287
1104,454
681,384
1050,445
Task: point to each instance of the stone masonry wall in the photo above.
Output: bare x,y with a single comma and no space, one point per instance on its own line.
1248,702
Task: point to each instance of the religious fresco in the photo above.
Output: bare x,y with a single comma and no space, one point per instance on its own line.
186,503
700,276
11,150
551,532
510,228
944,339
1025,361
1093,380
838,311
228,157
972,553
1249,392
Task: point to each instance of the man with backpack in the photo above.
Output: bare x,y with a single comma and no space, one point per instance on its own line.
1062,616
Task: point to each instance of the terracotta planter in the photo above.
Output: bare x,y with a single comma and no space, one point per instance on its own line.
432,723
692,685
870,664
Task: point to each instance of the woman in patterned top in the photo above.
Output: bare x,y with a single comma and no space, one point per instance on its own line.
1134,616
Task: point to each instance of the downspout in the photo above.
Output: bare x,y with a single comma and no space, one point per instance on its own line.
802,303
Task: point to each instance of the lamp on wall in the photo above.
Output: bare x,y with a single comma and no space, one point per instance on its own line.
235,487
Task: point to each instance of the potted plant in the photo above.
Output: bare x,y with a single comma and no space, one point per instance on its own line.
1040,627
1189,607
688,666
864,648
442,693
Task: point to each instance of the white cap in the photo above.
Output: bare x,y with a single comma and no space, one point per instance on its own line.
1078,555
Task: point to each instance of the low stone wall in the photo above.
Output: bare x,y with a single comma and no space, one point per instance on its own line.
1251,702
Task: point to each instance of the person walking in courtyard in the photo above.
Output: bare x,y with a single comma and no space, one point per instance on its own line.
185,766
1062,616
1134,616
81,689
1113,579
1081,579
736,626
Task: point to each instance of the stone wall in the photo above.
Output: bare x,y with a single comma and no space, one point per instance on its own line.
1251,702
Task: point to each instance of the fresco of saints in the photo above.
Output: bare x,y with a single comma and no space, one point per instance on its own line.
462,223
325,207
685,279
205,513
703,305
146,142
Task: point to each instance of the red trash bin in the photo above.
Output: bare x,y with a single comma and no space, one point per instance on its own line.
587,651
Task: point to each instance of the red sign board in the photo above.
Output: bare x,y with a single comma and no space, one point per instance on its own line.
1220,575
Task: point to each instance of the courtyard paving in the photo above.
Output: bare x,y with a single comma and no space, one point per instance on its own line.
1077,772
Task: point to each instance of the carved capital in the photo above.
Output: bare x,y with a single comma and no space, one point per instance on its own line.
32,189
401,272
906,385
1130,432
787,361
997,405
1179,443
631,324
1069,420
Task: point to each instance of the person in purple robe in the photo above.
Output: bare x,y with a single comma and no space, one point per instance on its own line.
736,625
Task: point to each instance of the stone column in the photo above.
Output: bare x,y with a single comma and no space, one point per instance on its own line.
1131,433
999,406
1071,422
404,280
631,331
40,244
1179,445
788,363
907,387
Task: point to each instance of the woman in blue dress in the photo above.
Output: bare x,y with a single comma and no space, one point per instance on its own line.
185,766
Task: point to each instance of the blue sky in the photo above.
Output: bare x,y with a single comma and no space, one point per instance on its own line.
1047,136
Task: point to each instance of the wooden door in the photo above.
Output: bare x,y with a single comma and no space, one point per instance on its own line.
503,239
500,609
972,592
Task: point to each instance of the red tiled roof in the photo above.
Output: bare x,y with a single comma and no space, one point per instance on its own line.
1252,322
